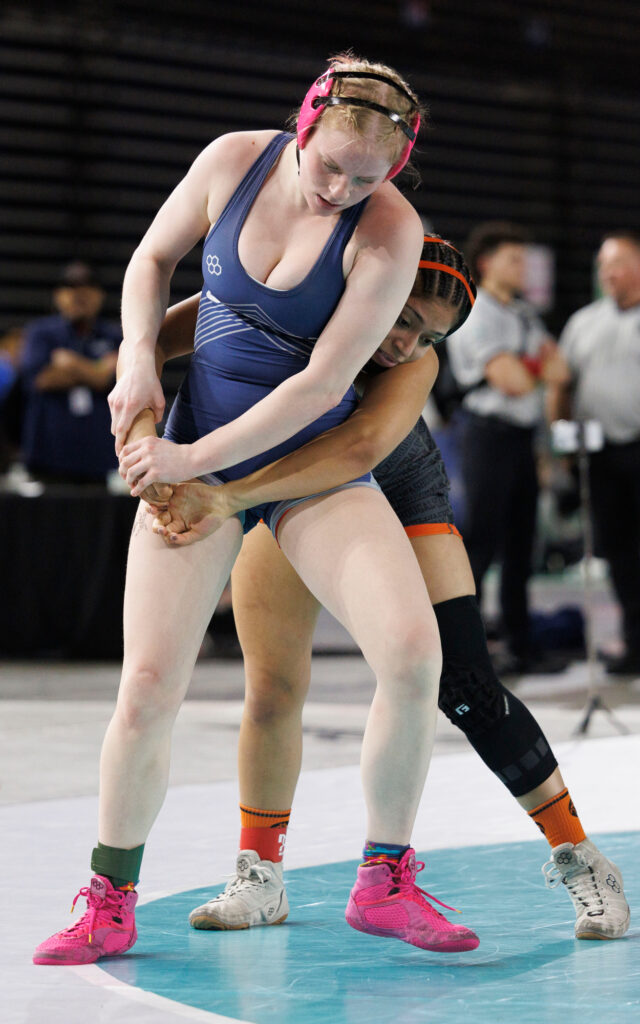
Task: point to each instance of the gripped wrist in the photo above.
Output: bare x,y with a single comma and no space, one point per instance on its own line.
232,498
137,353
197,461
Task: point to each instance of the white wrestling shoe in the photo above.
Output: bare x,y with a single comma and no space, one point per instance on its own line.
255,896
595,886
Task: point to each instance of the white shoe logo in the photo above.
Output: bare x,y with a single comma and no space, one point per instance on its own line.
213,265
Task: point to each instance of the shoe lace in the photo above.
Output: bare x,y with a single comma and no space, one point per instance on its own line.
580,879
111,900
258,875
553,876
404,882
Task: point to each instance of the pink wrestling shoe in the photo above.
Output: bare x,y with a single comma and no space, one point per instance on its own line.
386,901
107,928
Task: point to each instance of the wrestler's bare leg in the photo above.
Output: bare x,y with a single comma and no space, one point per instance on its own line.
277,650
170,596
351,551
275,617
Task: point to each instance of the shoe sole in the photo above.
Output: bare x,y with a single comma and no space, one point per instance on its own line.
62,960
448,946
599,935
207,924
50,962
605,938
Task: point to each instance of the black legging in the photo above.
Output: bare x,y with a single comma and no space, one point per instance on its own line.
501,486
615,499
497,724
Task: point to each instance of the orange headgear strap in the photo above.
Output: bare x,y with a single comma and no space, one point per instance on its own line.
428,265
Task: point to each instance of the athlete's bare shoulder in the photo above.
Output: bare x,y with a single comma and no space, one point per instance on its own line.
389,232
224,163
239,147
390,217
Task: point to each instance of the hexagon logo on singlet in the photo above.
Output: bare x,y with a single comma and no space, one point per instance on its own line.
213,265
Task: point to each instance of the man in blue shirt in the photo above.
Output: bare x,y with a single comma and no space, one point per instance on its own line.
68,368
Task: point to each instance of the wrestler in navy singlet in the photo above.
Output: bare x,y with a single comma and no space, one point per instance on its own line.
250,337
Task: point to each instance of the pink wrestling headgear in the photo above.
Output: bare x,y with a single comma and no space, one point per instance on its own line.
319,97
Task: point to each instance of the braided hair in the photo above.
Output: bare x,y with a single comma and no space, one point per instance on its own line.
443,274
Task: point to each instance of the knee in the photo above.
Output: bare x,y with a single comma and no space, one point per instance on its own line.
272,696
413,660
471,697
147,699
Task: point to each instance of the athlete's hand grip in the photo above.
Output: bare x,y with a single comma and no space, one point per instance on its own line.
144,426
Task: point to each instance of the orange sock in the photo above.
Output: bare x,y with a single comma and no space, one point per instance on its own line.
264,831
558,820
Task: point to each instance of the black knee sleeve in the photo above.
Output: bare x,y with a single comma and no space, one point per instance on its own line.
498,725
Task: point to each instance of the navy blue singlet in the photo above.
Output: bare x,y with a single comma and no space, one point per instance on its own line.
250,337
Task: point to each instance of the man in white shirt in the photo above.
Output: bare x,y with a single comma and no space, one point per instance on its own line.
502,355
601,343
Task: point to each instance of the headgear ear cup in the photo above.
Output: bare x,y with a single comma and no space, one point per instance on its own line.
319,97
309,113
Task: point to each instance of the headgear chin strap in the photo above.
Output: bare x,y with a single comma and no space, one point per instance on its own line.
319,97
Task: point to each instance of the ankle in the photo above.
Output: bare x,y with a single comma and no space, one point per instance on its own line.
264,831
558,820
121,867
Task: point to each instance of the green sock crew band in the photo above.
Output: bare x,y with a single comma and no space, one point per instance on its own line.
120,866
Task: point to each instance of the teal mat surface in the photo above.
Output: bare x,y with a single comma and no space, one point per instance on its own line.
314,969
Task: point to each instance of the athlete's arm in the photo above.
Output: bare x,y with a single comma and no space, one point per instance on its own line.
183,219
390,407
175,339
178,329
376,290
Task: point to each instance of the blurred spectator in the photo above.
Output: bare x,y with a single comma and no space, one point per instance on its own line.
10,396
501,356
9,344
68,367
602,345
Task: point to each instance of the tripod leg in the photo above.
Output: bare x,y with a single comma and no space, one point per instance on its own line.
583,726
597,704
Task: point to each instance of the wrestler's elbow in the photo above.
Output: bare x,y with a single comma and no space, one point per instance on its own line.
367,445
363,456
321,395
334,392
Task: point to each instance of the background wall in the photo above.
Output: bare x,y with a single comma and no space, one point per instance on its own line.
534,106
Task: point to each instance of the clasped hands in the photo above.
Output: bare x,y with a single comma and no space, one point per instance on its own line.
155,469
152,460
191,510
